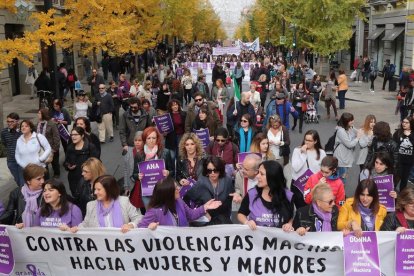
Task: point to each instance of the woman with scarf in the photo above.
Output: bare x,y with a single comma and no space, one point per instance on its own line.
321,215
245,133
270,202
48,128
109,209
403,217
168,209
25,201
153,150
363,212
55,210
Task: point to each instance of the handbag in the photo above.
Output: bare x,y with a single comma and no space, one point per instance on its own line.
49,159
323,96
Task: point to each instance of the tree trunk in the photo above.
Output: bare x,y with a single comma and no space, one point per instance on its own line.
173,46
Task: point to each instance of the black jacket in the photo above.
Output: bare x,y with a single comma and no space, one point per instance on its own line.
306,217
15,207
128,127
391,223
83,195
182,168
376,146
171,138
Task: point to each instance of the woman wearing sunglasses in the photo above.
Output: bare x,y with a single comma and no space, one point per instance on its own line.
321,215
213,184
363,212
245,133
167,208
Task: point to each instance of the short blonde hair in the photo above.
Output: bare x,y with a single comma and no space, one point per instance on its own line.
319,190
95,166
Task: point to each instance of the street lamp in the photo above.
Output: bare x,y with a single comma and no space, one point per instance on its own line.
293,26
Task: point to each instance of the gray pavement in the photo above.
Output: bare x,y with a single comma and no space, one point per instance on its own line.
360,102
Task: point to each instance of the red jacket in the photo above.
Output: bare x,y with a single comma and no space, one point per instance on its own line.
337,187
228,152
356,62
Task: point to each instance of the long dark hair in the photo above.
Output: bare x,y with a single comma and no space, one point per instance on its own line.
315,137
277,185
164,195
346,117
372,191
45,208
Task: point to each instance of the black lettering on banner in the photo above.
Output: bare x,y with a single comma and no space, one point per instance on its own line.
148,246
140,264
257,266
284,268
166,266
202,243
225,262
189,243
244,265
168,243
284,244
310,263
321,262
154,263
272,244
270,265
97,263
237,243
186,262
297,264
197,264
118,246
207,264
29,244
248,239
130,249
213,244
299,246
175,263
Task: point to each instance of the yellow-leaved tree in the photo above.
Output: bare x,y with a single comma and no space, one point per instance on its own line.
206,23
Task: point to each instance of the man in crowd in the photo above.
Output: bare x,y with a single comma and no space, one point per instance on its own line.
133,120
202,86
247,178
194,108
243,107
106,106
95,80
280,107
9,138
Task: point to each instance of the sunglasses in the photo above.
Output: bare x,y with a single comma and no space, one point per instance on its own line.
330,202
221,140
244,121
198,100
210,171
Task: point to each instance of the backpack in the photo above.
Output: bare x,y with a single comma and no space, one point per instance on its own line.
330,145
71,78
392,69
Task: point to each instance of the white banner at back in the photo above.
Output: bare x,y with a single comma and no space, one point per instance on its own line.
215,250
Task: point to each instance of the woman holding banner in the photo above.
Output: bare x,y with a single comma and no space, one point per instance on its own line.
270,202
321,215
403,217
55,210
245,133
48,128
363,212
190,161
306,160
109,209
168,209
214,184
260,144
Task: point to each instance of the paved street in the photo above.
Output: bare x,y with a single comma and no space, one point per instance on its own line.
360,102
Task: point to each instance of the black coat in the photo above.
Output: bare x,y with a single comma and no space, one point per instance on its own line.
83,195
306,217
171,138
182,168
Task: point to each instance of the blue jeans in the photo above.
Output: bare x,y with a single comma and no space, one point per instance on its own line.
341,97
341,172
17,172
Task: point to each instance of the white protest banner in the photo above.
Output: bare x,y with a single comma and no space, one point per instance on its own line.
217,51
213,250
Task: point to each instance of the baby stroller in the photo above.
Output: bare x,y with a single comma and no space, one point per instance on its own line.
311,115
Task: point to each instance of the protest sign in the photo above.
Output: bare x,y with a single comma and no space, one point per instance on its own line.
301,180
361,255
152,171
6,253
164,123
63,132
385,185
404,254
204,136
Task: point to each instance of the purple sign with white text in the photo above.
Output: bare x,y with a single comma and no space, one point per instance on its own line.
6,253
152,171
385,185
63,132
242,155
301,181
185,189
404,254
361,255
204,136
164,123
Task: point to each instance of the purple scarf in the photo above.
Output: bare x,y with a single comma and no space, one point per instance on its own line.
114,209
367,217
30,197
326,218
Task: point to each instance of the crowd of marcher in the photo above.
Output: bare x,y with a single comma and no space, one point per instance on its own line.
208,185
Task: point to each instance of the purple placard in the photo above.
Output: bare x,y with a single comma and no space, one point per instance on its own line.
63,132
204,66
385,185
6,252
185,189
194,65
301,180
152,171
404,254
204,136
246,66
242,155
232,65
164,123
361,255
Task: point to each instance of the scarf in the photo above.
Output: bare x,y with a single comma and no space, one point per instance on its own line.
326,219
243,146
114,209
367,217
41,127
30,197
150,154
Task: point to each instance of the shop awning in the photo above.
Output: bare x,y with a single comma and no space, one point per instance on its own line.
394,33
376,33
